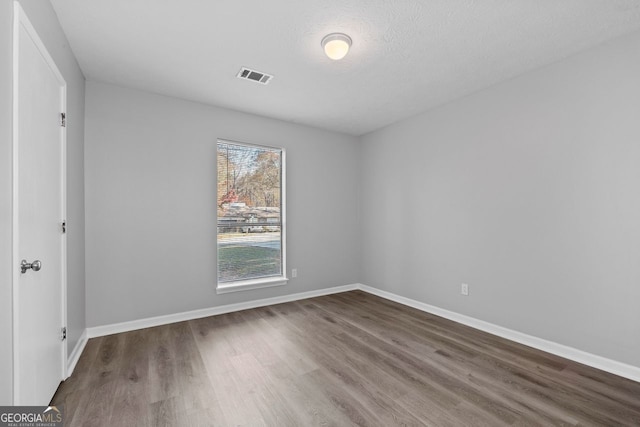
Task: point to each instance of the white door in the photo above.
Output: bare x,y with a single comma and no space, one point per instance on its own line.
39,207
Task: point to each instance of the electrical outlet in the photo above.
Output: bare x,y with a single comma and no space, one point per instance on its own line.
464,289
294,273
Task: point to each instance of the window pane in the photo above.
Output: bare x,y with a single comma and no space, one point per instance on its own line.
249,255
249,197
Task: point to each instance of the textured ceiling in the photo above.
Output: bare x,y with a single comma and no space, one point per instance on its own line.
407,55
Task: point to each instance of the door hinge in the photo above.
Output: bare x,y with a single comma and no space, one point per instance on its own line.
64,226
63,333
63,120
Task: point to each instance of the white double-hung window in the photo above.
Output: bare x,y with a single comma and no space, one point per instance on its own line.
250,216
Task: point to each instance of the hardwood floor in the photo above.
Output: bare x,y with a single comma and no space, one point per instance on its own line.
340,360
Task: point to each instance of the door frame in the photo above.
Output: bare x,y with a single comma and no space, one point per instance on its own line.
21,19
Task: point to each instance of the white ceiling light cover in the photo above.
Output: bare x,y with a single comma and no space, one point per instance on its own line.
336,45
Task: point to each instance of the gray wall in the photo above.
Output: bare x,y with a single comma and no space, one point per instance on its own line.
6,61
151,198
530,193
45,21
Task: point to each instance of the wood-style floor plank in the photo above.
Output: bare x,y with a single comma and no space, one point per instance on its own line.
338,360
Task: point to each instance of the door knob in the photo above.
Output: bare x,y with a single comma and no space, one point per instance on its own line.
35,266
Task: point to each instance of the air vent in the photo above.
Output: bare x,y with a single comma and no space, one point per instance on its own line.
253,75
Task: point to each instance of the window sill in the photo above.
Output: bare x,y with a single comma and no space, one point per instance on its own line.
246,285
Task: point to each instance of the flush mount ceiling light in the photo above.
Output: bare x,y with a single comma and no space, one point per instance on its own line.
336,45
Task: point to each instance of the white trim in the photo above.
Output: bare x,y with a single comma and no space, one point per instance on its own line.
76,353
98,331
17,11
247,285
622,369
20,19
283,210
63,214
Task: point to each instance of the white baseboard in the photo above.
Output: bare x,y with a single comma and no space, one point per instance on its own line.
133,325
73,358
622,369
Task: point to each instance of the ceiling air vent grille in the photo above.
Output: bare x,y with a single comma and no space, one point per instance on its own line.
253,75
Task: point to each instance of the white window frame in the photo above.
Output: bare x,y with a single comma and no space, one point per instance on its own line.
262,282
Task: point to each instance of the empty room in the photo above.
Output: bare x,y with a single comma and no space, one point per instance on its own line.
336,213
